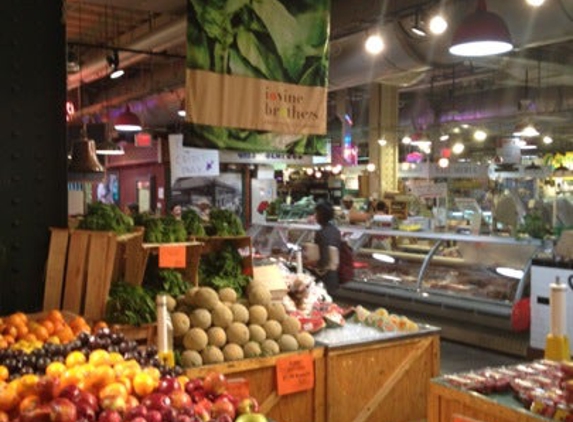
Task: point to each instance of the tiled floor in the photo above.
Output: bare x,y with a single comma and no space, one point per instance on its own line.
457,357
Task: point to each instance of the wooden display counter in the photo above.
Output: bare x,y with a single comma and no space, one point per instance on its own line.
446,403
260,373
381,381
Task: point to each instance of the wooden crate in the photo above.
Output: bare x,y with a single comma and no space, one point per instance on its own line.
445,403
144,335
381,382
81,264
193,254
306,406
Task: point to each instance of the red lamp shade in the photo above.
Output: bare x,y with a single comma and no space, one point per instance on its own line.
127,121
481,33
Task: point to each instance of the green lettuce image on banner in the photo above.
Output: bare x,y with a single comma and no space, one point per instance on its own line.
274,40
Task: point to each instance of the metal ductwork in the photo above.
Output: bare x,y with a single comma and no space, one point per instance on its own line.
159,40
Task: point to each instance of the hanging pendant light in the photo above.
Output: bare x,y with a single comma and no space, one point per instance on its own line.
127,121
84,164
109,148
481,33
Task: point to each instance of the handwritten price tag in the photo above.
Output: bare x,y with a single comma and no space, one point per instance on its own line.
172,256
294,374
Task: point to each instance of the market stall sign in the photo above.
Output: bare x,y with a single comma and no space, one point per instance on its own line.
172,256
294,374
429,190
240,157
188,162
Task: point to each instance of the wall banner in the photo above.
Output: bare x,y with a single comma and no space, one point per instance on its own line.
257,75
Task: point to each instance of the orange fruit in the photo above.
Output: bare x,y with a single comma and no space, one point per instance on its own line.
100,377
127,383
29,403
55,315
48,325
115,389
17,318
65,334
75,358
4,373
144,384
41,332
55,369
153,372
8,398
27,385
4,417
100,357
115,358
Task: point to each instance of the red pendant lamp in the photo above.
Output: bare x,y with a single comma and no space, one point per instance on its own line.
481,33
127,121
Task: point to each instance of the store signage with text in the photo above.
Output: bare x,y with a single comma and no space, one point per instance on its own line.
172,256
294,374
244,157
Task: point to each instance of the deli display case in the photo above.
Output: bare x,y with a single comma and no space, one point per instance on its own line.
469,278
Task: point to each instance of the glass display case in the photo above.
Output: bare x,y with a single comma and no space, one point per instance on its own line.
437,273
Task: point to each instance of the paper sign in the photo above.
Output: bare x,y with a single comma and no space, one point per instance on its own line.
294,374
188,162
172,256
238,387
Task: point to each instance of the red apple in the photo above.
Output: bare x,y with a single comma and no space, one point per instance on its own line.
180,399
63,410
223,406
193,384
70,392
153,416
136,411
167,385
156,401
138,419
48,388
168,415
89,399
201,411
224,418
183,418
85,411
248,405
110,416
215,382
131,402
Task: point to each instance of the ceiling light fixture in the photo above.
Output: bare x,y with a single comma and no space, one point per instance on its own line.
113,62
525,130
127,121
481,33
182,112
109,148
547,140
480,135
382,142
374,44
417,28
535,3
458,148
438,25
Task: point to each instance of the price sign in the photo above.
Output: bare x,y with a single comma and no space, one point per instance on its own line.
294,374
172,256
238,387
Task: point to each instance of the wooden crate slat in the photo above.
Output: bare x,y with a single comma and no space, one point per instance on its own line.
76,271
56,268
98,264
135,260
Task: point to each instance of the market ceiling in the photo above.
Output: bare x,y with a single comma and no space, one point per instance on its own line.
535,79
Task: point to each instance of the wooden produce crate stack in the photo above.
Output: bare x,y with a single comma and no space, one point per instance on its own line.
82,264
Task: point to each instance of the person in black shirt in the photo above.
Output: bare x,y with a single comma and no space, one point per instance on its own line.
327,236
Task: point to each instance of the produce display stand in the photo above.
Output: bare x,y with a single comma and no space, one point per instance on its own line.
446,403
193,255
82,264
260,373
384,379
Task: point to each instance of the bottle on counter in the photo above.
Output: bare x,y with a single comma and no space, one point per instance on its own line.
164,332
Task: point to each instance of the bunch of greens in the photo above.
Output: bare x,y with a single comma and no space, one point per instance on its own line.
172,283
193,223
535,226
275,40
106,217
129,304
223,269
225,223
164,230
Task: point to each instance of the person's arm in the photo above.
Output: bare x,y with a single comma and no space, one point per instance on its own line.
323,260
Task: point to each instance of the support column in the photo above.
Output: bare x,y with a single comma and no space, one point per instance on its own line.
383,120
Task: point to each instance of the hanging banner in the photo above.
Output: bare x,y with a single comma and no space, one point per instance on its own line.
188,162
257,75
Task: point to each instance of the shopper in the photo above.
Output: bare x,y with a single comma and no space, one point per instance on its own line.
326,237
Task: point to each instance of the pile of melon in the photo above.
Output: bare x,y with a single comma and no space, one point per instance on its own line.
212,326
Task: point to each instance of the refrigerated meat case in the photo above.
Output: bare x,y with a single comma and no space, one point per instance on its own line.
447,279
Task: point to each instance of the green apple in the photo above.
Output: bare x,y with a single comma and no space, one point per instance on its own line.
251,417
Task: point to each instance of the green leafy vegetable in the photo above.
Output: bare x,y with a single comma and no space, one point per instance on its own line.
129,304
106,217
226,223
223,269
173,283
193,223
